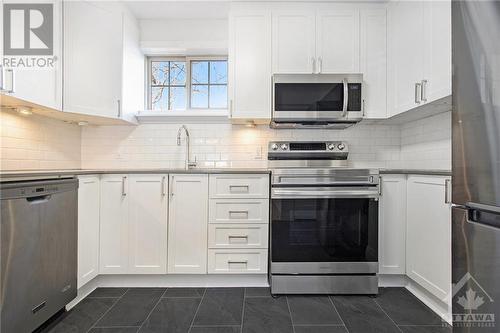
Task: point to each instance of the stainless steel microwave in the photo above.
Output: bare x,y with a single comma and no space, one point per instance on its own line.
317,100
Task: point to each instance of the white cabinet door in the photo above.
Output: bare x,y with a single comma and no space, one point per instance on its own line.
392,225
113,249
428,250
148,224
188,224
437,49
40,84
88,229
92,58
293,42
250,66
406,56
374,62
337,41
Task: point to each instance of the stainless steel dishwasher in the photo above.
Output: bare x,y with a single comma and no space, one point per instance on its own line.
38,231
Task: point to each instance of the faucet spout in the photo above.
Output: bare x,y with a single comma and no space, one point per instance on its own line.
188,163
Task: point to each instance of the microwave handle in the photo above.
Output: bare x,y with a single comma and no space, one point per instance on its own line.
346,98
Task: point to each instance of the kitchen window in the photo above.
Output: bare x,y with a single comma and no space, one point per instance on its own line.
176,84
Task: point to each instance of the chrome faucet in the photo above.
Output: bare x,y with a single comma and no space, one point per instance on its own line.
189,163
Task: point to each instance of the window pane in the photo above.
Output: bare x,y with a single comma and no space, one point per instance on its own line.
159,73
178,73
218,97
218,72
159,98
199,72
199,96
178,98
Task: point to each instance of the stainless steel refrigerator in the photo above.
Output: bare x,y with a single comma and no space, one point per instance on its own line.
476,166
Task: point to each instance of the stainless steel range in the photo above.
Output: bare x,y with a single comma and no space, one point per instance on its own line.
324,220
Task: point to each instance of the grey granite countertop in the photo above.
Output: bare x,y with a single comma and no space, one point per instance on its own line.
36,174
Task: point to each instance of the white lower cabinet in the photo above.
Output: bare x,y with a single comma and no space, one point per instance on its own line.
113,249
88,228
230,261
428,248
187,226
392,225
133,229
147,224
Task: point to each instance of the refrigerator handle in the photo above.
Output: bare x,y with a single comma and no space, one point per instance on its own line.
447,191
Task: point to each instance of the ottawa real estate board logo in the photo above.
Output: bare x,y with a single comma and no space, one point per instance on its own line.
28,35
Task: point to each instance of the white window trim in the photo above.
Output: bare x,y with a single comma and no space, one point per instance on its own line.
152,115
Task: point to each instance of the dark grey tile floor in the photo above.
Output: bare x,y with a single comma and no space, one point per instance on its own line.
249,310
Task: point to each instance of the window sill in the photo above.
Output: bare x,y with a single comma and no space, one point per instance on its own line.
192,116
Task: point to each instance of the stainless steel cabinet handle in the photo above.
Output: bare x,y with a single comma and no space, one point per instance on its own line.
238,214
423,92
234,236
418,92
244,262
446,190
172,187
346,98
230,108
163,190
119,104
239,188
13,80
313,64
380,186
124,186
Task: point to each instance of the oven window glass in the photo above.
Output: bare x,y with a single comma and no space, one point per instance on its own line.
324,230
315,97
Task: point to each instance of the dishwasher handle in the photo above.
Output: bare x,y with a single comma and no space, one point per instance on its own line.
39,199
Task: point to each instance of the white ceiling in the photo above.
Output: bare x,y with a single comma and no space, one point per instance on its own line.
180,9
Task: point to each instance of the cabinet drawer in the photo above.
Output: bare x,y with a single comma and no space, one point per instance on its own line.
232,236
239,186
239,211
225,261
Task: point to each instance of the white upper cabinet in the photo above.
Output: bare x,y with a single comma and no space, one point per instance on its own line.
428,256
294,42
437,52
337,41
148,224
373,62
39,85
92,58
113,249
249,66
188,224
88,228
420,53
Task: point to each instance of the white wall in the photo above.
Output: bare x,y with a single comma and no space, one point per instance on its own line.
426,143
37,142
223,145
184,36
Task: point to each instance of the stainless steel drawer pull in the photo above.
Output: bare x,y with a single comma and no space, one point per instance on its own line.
124,186
238,239
239,188
238,214
242,262
234,236
418,91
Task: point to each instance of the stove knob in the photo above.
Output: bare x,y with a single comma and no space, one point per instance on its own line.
284,146
331,146
274,146
341,146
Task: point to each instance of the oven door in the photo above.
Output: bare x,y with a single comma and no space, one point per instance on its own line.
317,97
324,235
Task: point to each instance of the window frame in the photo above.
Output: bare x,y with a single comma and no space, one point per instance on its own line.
188,60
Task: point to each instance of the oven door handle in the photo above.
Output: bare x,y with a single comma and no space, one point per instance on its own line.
312,193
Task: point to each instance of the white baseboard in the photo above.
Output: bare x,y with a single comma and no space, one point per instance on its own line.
172,280
392,280
440,307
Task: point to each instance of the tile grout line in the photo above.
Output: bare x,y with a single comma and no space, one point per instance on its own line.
106,312
154,307
290,312
338,313
243,308
198,308
387,315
